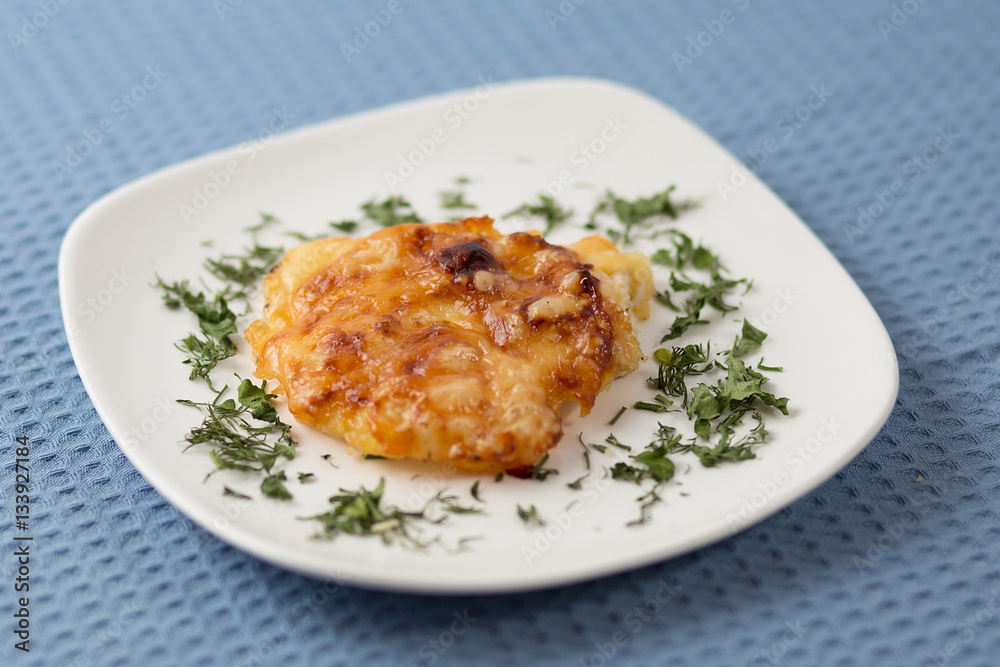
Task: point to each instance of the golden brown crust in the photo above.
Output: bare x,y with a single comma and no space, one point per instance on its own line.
448,341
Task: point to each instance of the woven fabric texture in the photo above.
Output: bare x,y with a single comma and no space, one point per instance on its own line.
894,561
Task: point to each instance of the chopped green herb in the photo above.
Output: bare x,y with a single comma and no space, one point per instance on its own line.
204,355
614,419
662,404
456,199
576,484
681,324
613,441
743,383
724,450
711,294
546,208
257,401
255,262
450,504
716,409
215,318
370,457
662,257
637,213
656,463
703,259
668,438
626,472
651,463
646,503
345,226
245,269
676,364
586,455
237,443
393,210
306,477
498,478
226,491
730,399
530,516
540,472
475,491
685,253
266,220
751,339
274,486
361,513
305,238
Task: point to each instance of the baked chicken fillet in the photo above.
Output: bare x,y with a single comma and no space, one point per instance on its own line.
449,341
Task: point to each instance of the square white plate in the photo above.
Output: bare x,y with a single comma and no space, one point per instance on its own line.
512,139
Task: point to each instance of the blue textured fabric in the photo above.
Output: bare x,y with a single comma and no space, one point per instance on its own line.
892,562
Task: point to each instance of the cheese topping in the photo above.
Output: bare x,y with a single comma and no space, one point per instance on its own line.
449,341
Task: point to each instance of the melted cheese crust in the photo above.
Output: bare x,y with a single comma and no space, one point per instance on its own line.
449,341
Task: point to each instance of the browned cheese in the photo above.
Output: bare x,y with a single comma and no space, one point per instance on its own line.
449,341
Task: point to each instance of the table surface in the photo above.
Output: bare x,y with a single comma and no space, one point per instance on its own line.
894,561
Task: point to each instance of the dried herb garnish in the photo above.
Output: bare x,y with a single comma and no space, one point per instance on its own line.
546,208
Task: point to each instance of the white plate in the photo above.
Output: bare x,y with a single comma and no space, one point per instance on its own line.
512,139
